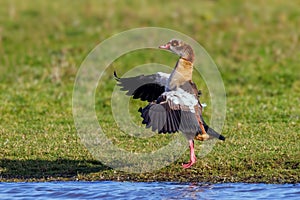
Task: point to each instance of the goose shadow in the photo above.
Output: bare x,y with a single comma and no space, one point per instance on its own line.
37,169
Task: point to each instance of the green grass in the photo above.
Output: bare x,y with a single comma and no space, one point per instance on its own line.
255,45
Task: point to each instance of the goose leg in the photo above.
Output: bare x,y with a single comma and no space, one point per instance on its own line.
192,155
203,136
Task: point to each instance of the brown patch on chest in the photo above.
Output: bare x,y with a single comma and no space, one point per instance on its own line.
182,73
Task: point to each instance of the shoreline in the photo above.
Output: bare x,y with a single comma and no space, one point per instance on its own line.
156,178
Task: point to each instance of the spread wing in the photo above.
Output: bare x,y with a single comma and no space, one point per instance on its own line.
147,88
173,111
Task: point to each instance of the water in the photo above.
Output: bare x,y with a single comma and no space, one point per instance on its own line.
155,190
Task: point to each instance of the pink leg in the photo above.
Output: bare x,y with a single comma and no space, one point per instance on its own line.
192,155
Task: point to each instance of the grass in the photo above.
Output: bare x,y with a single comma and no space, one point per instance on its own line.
255,45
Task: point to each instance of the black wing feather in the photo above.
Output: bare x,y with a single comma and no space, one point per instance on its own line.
163,119
141,87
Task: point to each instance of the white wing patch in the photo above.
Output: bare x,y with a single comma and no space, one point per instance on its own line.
162,78
180,97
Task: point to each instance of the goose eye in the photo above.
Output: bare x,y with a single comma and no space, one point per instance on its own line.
174,43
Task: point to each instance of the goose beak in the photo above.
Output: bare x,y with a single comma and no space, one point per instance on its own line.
166,46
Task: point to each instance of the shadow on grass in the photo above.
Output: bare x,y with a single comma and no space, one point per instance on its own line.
37,169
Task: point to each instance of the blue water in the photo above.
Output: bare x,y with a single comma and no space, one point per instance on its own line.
155,190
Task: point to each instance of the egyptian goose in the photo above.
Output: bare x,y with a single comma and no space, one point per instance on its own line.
173,99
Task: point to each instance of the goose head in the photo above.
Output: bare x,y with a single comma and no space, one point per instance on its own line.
180,48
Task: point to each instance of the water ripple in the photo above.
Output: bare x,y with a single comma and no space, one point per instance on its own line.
154,190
